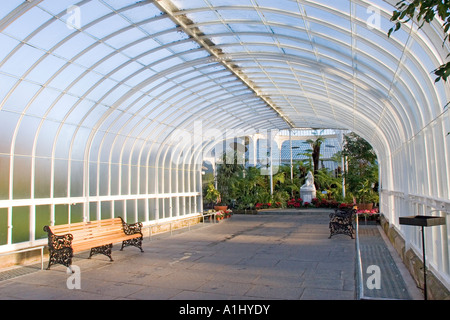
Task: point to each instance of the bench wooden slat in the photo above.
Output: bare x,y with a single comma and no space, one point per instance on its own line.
97,235
85,245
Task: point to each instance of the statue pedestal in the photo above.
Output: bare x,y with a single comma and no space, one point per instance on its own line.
307,194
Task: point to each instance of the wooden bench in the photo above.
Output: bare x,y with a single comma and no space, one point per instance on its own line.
98,236
341,221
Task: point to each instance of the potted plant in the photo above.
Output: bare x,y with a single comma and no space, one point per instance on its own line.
364,196
212,195
219,215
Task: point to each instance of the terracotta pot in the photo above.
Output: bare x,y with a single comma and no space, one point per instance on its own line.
218,208
364,206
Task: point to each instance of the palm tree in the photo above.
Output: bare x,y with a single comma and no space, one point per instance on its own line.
315,151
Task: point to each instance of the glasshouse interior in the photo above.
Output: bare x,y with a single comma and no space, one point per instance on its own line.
130,108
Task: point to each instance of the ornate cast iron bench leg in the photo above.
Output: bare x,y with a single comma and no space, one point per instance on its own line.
136,242
106,250
134,228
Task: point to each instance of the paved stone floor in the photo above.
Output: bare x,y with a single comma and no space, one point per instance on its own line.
251,257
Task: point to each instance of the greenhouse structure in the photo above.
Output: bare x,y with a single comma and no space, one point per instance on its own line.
109,107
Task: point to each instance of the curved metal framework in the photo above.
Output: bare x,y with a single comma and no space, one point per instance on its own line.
101,100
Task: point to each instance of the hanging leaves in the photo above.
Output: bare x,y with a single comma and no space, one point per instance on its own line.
424,11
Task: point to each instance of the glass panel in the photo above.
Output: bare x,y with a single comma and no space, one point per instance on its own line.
8,44
8,123
85,83
124,182
60,178
25,135
21,96
114,179
152,209
80,143
34,18
181,206
142,12
161,209
80,112
107,26
44,144
51,35
64,140
9,6
92,211
76,179
167,208
43,101
92,179
56,7
126,71
158,26
42,178
125,38
42,219
46,69
131,211
62,106
106,209
134,179
111,63
141,210
103,179
4,177
72,47
22,177
92,10
94,55
118,209
61,214
21,224
76,213
3,226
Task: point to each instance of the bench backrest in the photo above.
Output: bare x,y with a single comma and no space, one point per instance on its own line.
85,230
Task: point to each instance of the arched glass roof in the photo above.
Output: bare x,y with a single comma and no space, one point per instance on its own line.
92,93
265,64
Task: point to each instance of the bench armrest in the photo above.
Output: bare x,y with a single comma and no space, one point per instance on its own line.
132,228
58,242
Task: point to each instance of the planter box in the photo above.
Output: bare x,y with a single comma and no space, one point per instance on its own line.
364,206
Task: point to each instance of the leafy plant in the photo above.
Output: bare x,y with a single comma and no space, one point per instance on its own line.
212,194
424,11
362,164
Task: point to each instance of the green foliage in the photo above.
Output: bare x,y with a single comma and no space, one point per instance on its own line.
362,170
246,186
227,173
314,152
424,11
212,194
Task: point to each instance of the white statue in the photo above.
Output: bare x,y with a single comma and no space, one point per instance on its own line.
308,190
309,184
